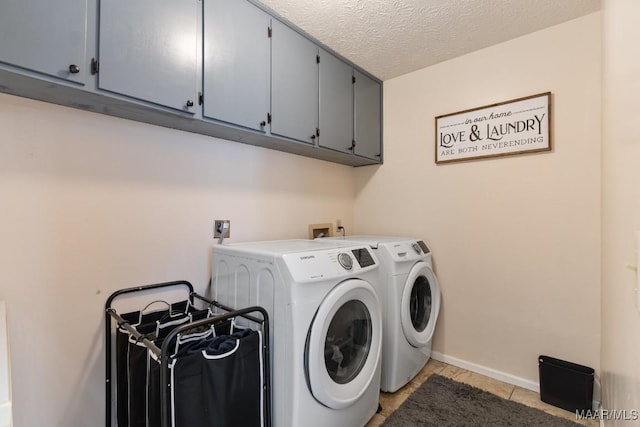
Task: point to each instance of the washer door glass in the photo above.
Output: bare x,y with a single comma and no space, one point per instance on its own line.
420,305
344,345
348,341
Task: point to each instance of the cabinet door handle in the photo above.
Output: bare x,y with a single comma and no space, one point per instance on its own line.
312,137
74,69
263,124
189,103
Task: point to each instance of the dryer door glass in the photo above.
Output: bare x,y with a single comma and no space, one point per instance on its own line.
348,341
420,303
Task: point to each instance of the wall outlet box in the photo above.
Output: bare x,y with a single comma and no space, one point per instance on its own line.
217,228
320,230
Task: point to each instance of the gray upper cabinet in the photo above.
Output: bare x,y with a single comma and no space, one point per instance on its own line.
45,36
368,106
149,50
336,103
294,85
237,55
230,69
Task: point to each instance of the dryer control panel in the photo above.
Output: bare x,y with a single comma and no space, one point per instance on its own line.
423,246
407,251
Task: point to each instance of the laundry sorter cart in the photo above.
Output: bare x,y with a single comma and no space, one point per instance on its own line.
188,364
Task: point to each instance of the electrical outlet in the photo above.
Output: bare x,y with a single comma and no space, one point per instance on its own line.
217,228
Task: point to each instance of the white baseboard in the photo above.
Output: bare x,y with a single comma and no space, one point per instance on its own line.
487,372
5,414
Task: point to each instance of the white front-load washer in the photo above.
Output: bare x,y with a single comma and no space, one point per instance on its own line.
410,297
326,324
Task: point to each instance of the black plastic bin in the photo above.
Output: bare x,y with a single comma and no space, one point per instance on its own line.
565,385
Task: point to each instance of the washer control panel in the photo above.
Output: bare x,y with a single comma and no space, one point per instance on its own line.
345,260
310,266
363,256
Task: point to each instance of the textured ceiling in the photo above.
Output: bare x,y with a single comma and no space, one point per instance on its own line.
389,38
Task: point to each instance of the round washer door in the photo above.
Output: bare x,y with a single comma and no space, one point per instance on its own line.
420,305
344,344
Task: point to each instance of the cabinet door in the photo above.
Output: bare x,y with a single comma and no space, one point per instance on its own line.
368,114
294,85
149,50
45,36
236,63
336,103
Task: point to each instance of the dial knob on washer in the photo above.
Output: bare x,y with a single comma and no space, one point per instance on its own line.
416,248
345,261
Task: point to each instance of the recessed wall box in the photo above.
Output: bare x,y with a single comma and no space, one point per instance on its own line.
320,230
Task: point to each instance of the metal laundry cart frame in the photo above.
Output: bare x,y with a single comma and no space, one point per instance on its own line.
163,352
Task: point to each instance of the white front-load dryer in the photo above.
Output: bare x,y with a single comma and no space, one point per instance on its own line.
410,297
326,324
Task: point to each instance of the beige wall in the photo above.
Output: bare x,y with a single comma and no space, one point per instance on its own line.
620,207
515,240
91,204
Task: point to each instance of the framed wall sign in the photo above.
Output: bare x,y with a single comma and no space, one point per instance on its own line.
513,127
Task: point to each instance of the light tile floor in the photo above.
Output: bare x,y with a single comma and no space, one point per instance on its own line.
392,401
